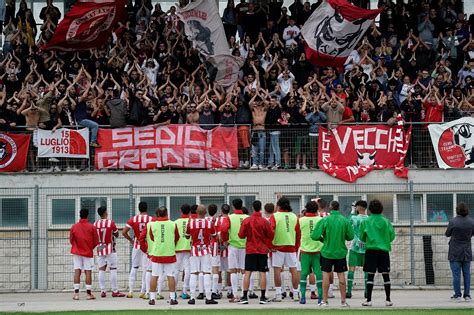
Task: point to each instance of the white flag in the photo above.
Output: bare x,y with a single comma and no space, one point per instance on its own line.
224,69
203,25
68,143
453,143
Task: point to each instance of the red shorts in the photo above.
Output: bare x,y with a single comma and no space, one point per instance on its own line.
243,133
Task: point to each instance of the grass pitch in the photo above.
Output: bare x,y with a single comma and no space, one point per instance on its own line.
275,312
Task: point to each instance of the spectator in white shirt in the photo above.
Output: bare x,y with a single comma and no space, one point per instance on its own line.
353,59
290,33
150,68
407,88
285,79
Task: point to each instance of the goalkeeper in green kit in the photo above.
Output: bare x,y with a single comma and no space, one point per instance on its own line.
357,252
310,251
378,234
334,230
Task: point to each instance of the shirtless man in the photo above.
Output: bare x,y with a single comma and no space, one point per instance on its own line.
192,115
259,109
32,116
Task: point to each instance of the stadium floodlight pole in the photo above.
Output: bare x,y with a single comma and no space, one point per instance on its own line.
412,230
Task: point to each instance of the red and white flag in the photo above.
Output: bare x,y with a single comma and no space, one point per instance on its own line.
176,146
453,143
87,25
333,31
63,143
13,152
350,152
224,69
205,30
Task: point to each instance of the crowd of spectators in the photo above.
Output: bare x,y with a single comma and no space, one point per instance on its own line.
418,62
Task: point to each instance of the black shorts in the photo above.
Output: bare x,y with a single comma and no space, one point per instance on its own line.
376,260
340,265
256,262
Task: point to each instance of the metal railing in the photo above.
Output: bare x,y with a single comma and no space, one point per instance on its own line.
35,222
286,147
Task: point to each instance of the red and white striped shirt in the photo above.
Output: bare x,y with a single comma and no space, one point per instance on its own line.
137,223
323,214
107,232
201,232
219,249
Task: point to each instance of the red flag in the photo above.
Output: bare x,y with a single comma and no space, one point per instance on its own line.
350,152
333,31
13,152
87,25
176,146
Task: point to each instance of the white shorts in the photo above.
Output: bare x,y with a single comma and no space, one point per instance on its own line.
298,265
182,261
236,258
139,258
200,264
159,270
216,261
83,263
109,260
280,259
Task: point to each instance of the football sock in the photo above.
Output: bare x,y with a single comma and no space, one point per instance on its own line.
113,280
102,280
192,285
208,285
370,286
77,286
386,285
131,279
147,281
350,281
234,278
215,283
201,283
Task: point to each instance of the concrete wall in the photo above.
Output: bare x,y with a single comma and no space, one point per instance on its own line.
15,272
60,265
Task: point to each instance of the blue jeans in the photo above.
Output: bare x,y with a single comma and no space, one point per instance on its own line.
258,149
274,155
93,127
456,268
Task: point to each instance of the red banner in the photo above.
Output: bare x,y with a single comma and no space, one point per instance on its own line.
175,146
350,152
13,152
87,25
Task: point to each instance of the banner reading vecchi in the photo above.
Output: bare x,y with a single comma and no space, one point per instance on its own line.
63,143
175,146
453,143
350,152
13,152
